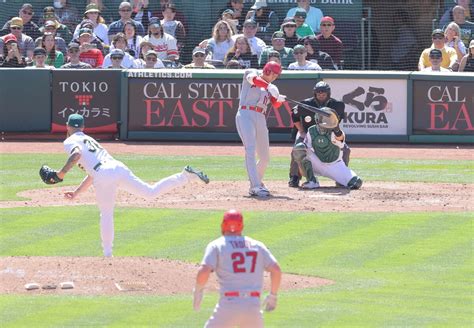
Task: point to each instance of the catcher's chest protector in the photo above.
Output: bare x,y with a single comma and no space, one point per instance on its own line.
325,150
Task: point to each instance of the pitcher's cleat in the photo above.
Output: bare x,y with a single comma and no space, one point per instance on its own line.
195,173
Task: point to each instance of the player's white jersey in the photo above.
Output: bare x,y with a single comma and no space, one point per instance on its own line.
251,95
92,153
239,262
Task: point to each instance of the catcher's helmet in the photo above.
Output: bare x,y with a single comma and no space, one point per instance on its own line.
272,67
232,222
322,86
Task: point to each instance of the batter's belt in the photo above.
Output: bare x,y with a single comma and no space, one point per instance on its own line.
241,294
254,108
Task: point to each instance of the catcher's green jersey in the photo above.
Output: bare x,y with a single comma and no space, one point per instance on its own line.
324,149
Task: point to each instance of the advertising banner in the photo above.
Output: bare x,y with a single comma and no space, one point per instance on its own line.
373,106
442,107
93,94
201,104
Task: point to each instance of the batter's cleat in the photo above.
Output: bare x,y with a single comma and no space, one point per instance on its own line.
294,181
355,183
310,185
260,191
192,173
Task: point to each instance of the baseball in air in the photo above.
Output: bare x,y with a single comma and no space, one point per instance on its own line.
307,119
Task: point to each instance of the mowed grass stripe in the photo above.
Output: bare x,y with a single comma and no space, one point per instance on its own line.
431,238
65,310
46,225
310,250
167,235
374,241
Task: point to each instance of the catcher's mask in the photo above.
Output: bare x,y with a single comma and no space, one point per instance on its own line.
232,222
325,123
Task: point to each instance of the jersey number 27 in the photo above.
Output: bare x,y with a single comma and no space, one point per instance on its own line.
238,261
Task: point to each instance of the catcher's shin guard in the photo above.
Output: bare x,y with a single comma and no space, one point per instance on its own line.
355,183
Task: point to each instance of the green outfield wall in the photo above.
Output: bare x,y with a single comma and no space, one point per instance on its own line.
199,105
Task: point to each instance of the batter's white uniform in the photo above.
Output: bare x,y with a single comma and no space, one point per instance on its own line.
252,127
336,170
109,175
239,263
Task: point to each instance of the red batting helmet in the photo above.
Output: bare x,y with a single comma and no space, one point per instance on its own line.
232,222
272,67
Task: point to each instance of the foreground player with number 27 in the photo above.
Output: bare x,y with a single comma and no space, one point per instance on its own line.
108,175
239,263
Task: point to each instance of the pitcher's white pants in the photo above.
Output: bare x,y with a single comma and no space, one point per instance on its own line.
114,175
253,131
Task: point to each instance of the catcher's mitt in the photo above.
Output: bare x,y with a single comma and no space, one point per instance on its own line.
48,175
329,121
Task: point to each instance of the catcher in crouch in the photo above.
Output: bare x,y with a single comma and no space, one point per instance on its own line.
108,176
320,153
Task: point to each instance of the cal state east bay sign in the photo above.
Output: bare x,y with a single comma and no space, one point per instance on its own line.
373,106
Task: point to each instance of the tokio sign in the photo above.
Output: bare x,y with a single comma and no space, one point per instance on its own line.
442,107
93,94
373,106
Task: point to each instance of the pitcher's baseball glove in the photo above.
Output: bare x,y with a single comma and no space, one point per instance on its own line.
48,175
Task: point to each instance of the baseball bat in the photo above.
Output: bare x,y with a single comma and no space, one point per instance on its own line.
310,108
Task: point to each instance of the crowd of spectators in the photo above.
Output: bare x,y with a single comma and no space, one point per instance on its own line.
242,37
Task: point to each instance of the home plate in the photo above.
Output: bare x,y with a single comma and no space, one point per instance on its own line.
132,286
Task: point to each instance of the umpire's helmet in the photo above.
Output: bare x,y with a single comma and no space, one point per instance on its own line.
232,222
322,86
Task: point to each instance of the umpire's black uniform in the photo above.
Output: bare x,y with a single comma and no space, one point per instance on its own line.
306,118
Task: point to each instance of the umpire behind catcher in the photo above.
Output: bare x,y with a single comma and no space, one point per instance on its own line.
303,118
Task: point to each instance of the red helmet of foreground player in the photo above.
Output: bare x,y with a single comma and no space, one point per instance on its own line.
272,67
232,222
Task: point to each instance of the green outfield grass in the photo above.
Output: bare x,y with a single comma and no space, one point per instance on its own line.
390,269
400,269
20,171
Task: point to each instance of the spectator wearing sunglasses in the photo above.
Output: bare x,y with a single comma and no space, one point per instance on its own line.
116,58
74,59
302,29
449,56
26,45
145,47
301,64
313,14
288,27
125,11
62,30
151,60
119,42
88,51
29,27
435,59
328,41
199,59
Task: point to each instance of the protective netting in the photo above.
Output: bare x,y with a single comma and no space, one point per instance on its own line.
385,35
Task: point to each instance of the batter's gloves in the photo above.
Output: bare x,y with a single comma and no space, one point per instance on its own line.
48,175
270,303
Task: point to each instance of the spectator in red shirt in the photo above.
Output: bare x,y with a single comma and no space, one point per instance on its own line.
329,42
88,52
